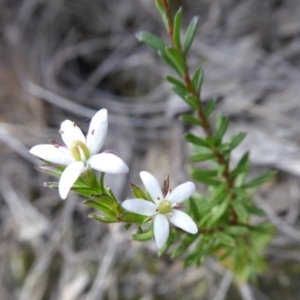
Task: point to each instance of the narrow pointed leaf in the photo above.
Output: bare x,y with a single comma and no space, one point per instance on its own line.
254,210
237,230
177,25
242,166
194,210
196,140
186,242
138,192
209,107
181,92
204,173
240,210
102,219
197,80
162,10
236,140
190,34
106,201
225,238
176,82
108,212
130,217
193,101
174,59
259,180
200,177
201,157
146,236
219,211
151,40
49,170
222,124
84,191
190,120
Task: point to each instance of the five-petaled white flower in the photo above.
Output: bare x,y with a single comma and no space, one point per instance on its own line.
80,153
163,209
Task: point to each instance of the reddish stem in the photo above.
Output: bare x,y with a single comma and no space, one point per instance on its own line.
204,120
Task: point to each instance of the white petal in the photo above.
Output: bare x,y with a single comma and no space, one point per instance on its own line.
152,186
161,230
68,177
97,131
139,206
108,163
183,221
181,192
70,133
55,154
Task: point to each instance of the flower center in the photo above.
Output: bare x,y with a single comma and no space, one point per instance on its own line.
164,207
80,151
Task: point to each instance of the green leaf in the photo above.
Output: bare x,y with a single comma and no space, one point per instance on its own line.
127,226
145,236
162,10
107,211
84,191
225,238
174,59
240,192
50,170
193,101
201,157
219,211
186,242
209,107
207,207
177,82
151,40
106,200
206,179
259,180
201,251
191,138
205,173
190,120
254,210
194,209
237,230
176,32
237,139
181,92
190,34
138,192
221,127
102,219
242,166
130,217
197,80
240,210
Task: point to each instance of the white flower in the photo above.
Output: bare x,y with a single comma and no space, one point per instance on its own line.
80,152
163,209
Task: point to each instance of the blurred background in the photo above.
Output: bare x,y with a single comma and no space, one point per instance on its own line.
66,59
